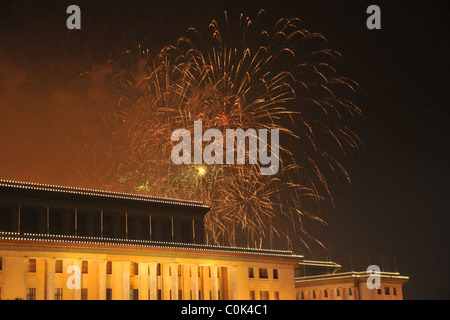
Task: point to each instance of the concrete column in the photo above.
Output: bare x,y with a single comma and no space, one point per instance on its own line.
194,281
117,283
77,292
225,281
174,281
214,283
50,295
102,279
166,281
153,281
143,283
126,280
232,283
39,278
185,282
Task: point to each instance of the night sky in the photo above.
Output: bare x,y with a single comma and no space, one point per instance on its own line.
397,204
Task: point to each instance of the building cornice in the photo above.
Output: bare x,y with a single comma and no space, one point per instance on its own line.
351,276
54,243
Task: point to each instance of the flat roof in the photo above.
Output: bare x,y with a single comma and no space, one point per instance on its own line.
39,190
319,263
349,275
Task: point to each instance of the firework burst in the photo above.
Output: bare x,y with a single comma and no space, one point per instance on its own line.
237,74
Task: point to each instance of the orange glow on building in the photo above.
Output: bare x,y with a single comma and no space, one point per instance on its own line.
61,243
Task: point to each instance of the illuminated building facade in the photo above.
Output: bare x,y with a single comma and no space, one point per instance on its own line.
61,243
124,247
321,280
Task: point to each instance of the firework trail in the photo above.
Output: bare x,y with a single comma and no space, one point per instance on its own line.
237,74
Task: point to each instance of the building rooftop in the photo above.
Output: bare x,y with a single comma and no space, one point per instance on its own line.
349,275
37,189
36,240
329,264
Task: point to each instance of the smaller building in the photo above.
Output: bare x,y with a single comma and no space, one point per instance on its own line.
320,280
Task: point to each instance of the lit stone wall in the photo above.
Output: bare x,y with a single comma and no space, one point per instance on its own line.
142,273
349,286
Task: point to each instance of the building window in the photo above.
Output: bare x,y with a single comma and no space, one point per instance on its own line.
109,267
84,267
179,270
108,294
314,294
158,269
31,294
252,294
264,295
379,291
350,291
1,264
58,293
276,295
159,295
59,266
209,271
31,265
134,294
84,293
218,295
386,291
263,274
303,295
250,273
275,273
394,291
338,292
199,294
190,294
325,293
180,294
134,269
